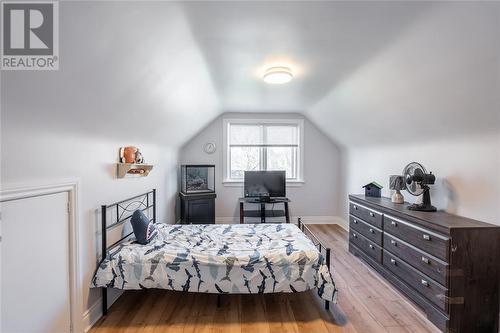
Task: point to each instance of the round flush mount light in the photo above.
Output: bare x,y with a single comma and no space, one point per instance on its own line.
278,75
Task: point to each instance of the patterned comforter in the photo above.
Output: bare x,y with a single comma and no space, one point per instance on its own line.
236,259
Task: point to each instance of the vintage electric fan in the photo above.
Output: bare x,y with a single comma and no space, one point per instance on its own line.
417,180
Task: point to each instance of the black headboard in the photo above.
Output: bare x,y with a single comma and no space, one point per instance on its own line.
122,213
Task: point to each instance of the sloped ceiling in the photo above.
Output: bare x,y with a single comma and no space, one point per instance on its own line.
323,43
128,70
365,72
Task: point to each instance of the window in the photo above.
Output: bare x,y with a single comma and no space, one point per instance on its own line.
253,145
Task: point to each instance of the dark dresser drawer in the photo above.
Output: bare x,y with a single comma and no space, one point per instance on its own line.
423,239
446,264
369,231
433,267
367,246
366,214
432,290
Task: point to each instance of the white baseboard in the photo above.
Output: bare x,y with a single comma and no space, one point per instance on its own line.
322,220
227,220
305,219
91,316
94,313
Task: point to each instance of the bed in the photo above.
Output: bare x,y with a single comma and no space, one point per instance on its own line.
220,259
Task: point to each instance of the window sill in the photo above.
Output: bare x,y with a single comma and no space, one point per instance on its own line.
239,183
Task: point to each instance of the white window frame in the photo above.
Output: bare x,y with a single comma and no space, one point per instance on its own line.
299,181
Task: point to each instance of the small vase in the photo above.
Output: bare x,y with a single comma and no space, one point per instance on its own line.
397,197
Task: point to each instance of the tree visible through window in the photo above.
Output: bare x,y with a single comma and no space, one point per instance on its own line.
263,146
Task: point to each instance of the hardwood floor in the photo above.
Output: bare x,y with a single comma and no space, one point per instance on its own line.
366,303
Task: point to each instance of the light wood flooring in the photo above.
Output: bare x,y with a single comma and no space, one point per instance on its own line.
365,304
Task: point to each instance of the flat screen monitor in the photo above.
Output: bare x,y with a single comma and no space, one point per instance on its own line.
265,184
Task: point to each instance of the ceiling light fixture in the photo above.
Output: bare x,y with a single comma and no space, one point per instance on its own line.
278,75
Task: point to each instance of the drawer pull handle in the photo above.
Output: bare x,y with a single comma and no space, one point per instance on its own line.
393,242
355,221
426,260
426,237
372,231
371,246
355,207
394,224
425,283
393,261
354,235
372,215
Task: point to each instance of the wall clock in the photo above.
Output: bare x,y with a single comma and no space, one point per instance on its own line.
210,148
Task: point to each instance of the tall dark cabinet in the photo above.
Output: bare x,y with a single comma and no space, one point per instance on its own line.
197,208
448,265
197,194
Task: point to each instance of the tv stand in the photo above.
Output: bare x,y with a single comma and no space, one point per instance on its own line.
262,212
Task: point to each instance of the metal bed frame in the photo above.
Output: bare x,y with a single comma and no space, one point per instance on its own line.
321,247
123,210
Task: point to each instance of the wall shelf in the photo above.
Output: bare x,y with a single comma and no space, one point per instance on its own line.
133,169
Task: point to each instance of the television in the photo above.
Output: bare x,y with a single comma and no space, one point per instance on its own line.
265,184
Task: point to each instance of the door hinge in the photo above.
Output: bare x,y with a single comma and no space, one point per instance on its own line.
68,206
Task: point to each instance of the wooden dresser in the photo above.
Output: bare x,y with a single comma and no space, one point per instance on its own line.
446,264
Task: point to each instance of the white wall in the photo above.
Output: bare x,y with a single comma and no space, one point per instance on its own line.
127,72
318,196
31,158
467,171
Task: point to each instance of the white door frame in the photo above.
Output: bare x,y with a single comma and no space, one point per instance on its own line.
71,188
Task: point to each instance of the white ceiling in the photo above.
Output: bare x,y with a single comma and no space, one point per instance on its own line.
128,70
366,72
323,43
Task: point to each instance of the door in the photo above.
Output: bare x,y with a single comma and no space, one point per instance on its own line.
35,272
